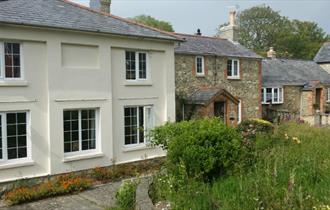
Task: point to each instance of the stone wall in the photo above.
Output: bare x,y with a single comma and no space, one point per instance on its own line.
247,88
291,100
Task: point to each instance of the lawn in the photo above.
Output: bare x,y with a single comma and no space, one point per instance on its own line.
288,168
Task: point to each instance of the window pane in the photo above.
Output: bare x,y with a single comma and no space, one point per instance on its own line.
235,73
281,95
16,135
199,66
130,65
131,126
88,133
276,95
71,130
229,68
268,95
12,60
141,124
142,66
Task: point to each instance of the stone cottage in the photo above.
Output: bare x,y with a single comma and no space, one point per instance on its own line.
294,88
323,57
217,77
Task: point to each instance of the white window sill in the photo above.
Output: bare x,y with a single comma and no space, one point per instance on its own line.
234,78
273,103
200,75
82,157
17,164
13,83
138,83
136,148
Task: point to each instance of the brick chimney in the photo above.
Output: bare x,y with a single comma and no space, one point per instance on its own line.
100,5
230,31
271,53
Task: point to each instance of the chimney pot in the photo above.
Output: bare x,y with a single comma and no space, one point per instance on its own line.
271,53
199,33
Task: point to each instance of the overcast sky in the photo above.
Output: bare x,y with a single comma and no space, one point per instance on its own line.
188,15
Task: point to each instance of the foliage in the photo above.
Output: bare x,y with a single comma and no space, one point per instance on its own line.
205,148
261,27
125,197
60,186
251,127
291,171
153,22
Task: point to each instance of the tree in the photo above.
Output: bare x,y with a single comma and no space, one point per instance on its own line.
261,27
153,22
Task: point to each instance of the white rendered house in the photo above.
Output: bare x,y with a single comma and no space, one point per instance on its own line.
78,88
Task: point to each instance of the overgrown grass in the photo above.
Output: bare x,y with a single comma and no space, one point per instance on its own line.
291,171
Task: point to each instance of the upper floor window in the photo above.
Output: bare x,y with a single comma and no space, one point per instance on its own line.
80,130
272,95
136,65
10,60
138,122
233,69
200,66
13,136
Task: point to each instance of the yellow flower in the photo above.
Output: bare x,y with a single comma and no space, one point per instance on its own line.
286,136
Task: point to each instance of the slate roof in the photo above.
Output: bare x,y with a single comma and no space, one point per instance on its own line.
63,14
203,45
205,95
278,72
323,55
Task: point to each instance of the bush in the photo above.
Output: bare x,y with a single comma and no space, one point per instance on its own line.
125,197
251,127
206,148
60,186
291,171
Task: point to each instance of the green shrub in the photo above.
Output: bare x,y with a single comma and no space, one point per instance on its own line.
291,171
251,127
125,197
206,148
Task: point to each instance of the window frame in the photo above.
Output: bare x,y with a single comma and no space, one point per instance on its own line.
5,160
280,95
328,94
97,133
238,76
145,128
203,67
2,62
137,66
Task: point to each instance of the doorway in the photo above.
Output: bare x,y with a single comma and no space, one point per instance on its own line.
219,110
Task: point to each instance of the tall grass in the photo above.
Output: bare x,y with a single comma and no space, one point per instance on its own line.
291,171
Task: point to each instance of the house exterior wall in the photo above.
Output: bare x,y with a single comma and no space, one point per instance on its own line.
291,100
247,88
57,77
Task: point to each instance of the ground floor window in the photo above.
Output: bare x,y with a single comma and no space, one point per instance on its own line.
138,122
80,130
13,136
272,95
